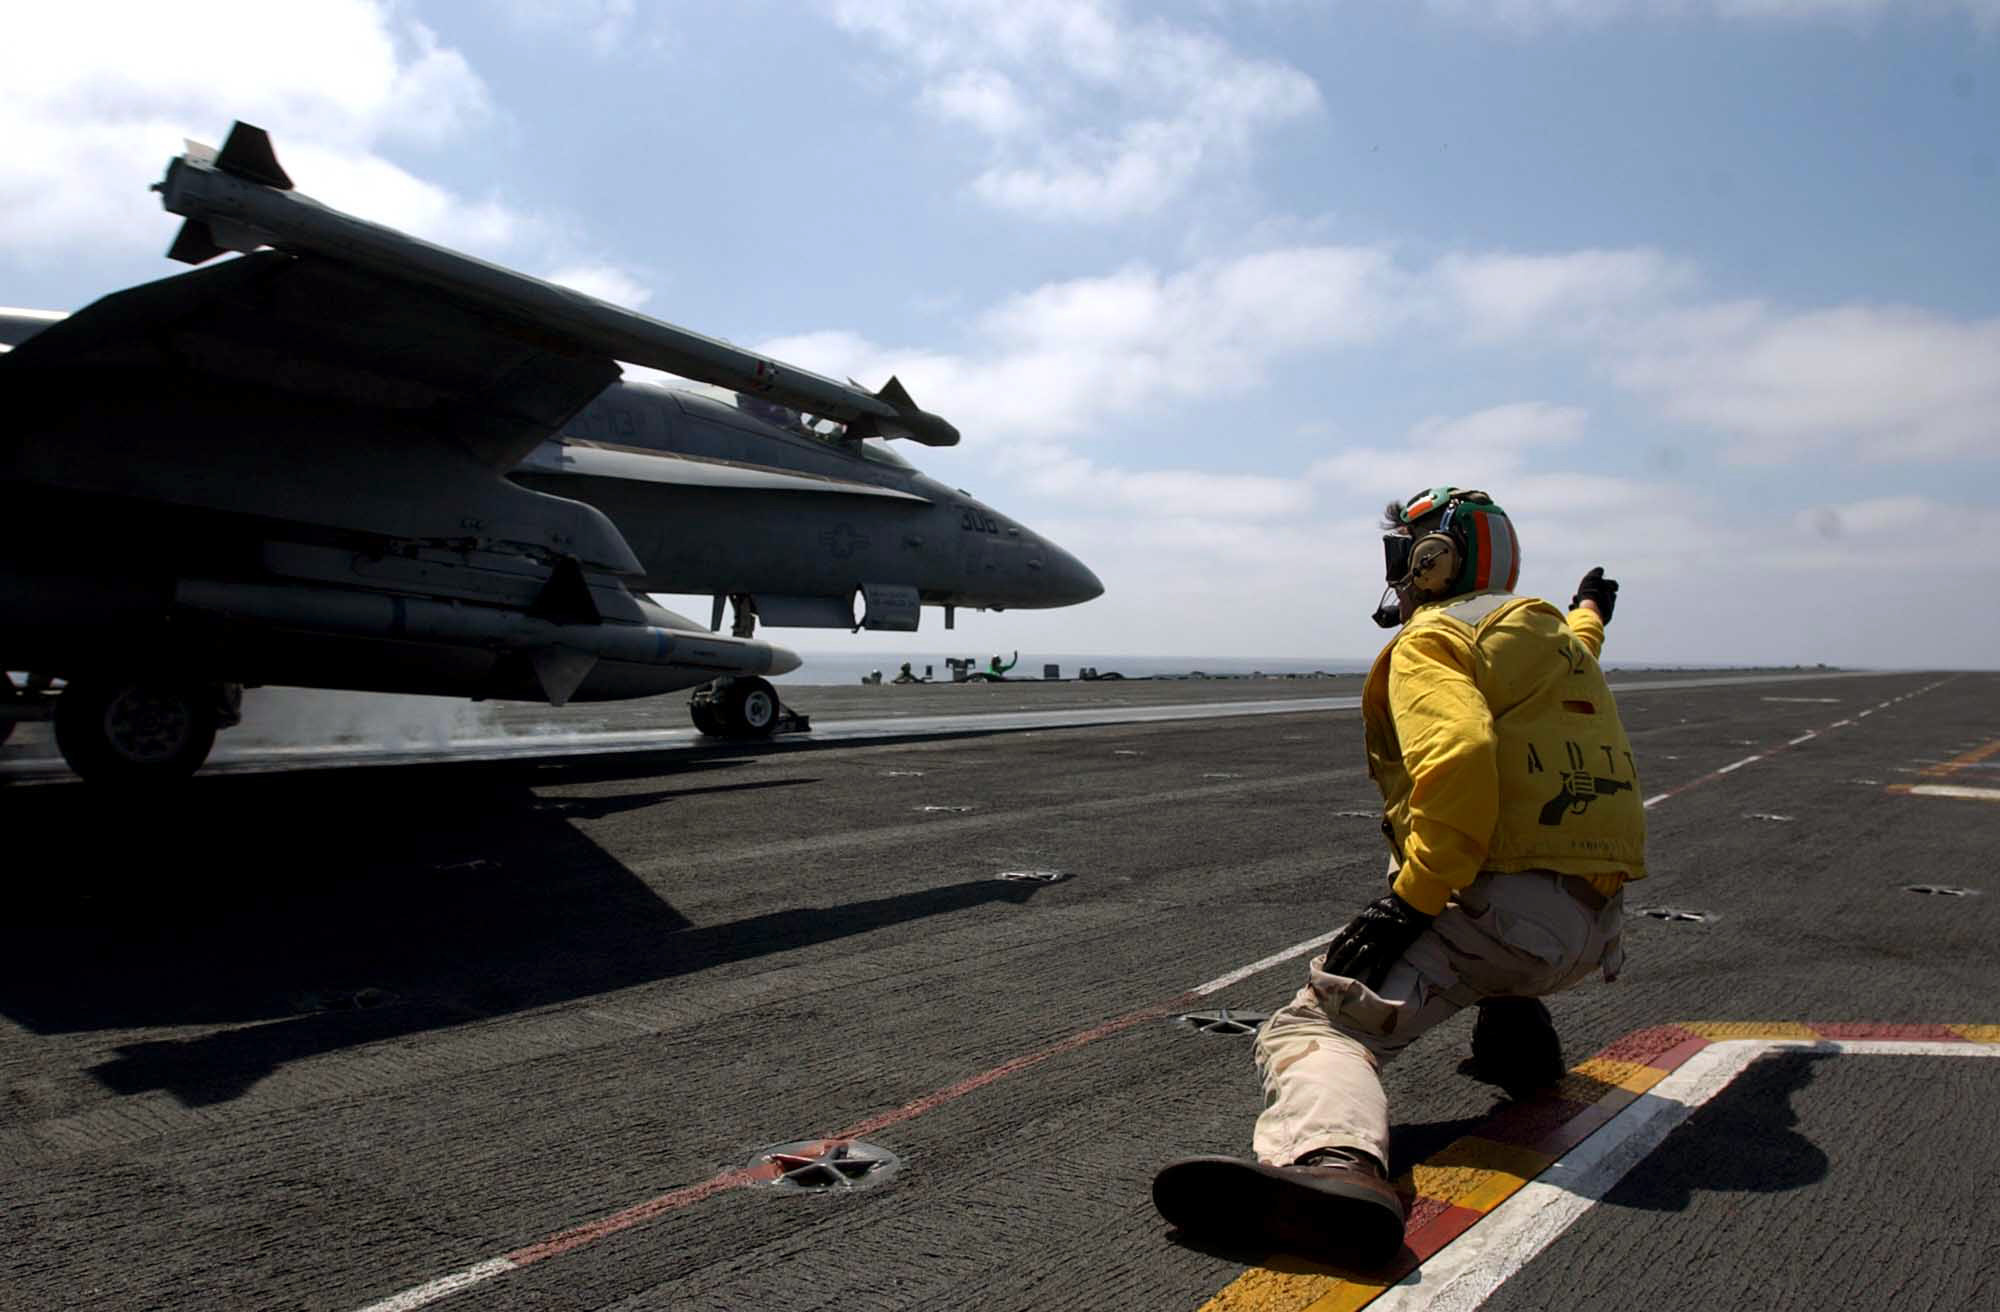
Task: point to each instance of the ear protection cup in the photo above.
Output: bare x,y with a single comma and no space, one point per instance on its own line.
1434,563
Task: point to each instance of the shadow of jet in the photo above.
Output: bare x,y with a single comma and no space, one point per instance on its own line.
367,905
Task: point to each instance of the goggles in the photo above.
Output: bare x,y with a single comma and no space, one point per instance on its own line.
1396,547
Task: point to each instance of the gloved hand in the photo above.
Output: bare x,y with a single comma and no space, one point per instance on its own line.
1596,588
1375,940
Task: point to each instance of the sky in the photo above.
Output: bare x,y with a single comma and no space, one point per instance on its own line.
1704,291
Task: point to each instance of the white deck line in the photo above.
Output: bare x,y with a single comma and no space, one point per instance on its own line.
1275,959
1738,765
443,1287
1463,1274
1956,790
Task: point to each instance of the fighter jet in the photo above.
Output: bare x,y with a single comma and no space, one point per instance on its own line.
349,461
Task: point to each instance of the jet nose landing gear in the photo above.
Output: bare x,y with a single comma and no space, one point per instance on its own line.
743,707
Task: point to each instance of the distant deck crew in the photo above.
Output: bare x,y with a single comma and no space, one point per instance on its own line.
1511,805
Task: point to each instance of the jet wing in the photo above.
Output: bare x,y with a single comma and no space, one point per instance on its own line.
318,330
590,460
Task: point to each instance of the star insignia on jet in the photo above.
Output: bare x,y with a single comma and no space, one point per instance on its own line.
842,541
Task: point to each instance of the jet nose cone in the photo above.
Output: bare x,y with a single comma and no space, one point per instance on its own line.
783,661
1072,580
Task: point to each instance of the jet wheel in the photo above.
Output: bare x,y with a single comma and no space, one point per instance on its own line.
752,707
707,718
135,730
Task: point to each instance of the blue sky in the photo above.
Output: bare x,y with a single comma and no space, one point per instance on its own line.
1707,291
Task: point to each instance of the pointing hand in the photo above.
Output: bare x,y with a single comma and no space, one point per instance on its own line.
1600,592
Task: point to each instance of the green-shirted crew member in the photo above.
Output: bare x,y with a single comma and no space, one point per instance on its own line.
1512,807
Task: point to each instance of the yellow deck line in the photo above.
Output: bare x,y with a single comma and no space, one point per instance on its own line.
1480,1174
1292,1286
1750,1029
1957,763
1589,1080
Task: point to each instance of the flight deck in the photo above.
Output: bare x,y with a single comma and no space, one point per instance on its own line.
908,1019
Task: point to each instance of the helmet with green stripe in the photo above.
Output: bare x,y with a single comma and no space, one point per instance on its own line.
1448,541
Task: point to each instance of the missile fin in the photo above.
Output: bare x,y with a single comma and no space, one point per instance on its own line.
565,598
918,425
194,243
561,671
248,154
896,394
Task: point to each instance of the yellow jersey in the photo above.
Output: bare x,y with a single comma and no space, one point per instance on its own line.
1497,746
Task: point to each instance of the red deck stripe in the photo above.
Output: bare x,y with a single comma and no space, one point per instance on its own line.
592,1231
763,1173
938,1098
1424,1238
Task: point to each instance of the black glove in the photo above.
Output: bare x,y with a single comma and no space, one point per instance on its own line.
1375,940
1595,587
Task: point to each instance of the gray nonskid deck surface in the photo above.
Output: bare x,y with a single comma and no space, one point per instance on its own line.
309,1039
1813,1180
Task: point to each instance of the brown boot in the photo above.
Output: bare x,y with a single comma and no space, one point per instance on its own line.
1338,1209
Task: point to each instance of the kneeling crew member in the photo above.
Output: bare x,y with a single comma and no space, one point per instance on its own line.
1512,808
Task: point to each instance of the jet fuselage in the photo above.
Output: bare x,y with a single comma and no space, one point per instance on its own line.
716,499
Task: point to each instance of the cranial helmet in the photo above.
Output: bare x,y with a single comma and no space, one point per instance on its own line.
1447,541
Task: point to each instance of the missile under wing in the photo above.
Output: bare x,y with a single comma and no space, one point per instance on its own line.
796,522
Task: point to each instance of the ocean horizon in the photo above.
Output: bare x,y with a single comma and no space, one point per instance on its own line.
833,669
826,669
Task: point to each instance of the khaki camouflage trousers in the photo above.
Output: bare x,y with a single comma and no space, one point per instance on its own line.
1503,935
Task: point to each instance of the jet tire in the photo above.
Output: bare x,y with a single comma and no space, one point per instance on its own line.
707,718
135,730
751,707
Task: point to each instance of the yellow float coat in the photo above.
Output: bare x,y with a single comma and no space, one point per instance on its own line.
1497,746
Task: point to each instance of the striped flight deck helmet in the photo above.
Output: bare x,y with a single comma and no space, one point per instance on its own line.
1448,541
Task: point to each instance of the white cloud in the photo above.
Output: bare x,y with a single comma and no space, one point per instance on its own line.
1532,14
1053,470
1899,540
1502,295
1878,383
1486,448
97,101
605,283
987,100
370,187
1127,113
1057,360
336,85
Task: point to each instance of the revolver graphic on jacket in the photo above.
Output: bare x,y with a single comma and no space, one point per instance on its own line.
1580,789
